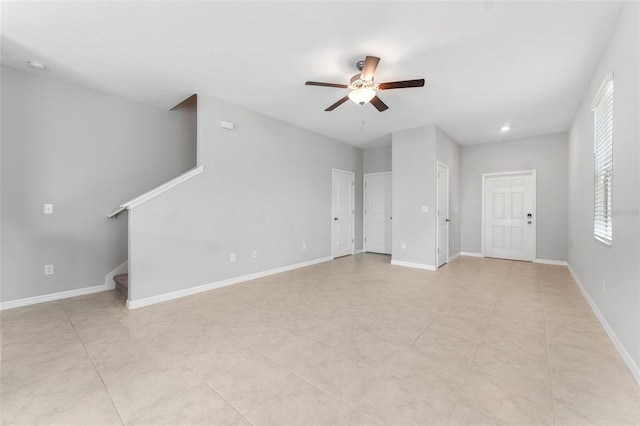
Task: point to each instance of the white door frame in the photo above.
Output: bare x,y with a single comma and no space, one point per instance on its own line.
364,204
353,208
446,166
533,188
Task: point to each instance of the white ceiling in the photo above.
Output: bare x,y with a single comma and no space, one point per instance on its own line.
487,63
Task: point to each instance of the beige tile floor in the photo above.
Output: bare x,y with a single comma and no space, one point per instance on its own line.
354,341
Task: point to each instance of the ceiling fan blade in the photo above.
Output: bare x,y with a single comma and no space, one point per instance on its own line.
317,83
337,104
369,67
377,102
401,84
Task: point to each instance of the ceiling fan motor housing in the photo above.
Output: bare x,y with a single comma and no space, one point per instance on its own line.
358,83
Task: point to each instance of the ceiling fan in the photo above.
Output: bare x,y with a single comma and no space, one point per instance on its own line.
363,89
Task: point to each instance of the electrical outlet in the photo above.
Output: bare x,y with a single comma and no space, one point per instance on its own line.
403,246
232,257
48,209
227,125
304,246
48,269
254,254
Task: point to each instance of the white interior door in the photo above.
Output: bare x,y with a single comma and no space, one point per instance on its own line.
443,214
343,212
377,213
509,216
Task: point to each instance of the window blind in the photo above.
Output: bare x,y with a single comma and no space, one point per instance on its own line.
603,163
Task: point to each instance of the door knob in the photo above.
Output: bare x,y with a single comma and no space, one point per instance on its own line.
446,220
335,218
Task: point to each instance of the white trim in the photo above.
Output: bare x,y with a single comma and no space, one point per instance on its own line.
353,209
471,254
131,267
550,262
51,297
603,241
135,304
454,257
378,173
116,212
635,369
535,205
109,284
446,166
162,188
414,265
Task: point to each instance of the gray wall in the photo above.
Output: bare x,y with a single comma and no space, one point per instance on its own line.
266,187
548,156
85,152
611,275
414,186
449,152
377,160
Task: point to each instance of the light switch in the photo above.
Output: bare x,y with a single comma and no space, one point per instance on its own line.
48,209
226,125
424,209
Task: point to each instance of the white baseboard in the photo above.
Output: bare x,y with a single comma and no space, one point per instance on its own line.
414,265
358,251
108,279
454,257
550,262
468,253
633,367
51,297
135,304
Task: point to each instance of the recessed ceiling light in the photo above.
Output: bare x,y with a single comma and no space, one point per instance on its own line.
505,128
36,65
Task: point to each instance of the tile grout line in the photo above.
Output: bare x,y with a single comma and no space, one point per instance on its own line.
466,376
307,381
426,328
157,340
347,354
546,338
216,391
106,388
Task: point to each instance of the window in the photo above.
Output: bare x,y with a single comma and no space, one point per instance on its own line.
603,162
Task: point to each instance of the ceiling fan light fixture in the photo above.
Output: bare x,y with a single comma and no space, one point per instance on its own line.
362,96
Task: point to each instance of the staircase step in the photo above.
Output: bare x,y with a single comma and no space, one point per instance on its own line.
122,283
